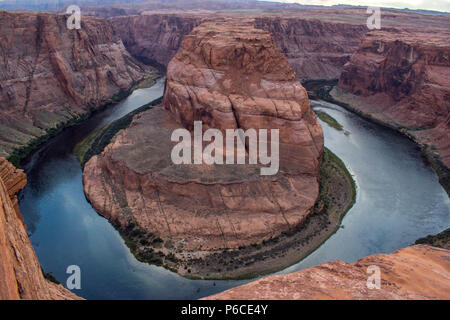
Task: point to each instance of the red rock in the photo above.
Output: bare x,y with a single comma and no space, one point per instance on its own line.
50,74
418,272
20,273
403,80
229,75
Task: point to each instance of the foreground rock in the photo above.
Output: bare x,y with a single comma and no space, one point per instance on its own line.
418,272
228,75
50,75
21,275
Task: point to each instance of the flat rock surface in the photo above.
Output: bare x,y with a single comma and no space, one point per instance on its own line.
417,272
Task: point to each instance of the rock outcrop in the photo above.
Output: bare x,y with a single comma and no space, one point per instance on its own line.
417,272
154,39
403,80
228,75
317,43
315,49
21,275
50,74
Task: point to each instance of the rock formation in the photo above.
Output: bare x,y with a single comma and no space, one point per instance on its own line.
228,75
21,276
317,43
154,39
403,80
50,74
315,49
418,272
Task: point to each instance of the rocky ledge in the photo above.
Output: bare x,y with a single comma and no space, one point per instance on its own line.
417,272
229,75
21,276
402,80
51,76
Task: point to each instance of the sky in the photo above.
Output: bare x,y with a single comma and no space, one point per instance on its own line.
439,5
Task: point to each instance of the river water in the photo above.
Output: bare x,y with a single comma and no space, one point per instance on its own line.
399,200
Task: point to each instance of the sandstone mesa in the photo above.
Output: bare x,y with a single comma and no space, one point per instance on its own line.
228,75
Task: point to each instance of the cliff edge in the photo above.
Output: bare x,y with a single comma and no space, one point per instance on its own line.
21,275
417,272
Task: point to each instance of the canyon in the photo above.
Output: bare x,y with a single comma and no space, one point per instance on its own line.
51,76
229,75
21,276
229,70
403,81
429,278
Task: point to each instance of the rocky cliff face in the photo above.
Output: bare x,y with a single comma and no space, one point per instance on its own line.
228,75
20,273
418,272
50,74
154,38
315,49
403,80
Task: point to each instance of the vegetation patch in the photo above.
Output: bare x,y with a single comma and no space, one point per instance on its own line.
332,122
21,153
49,276
443,172
97,141
440,240
337,195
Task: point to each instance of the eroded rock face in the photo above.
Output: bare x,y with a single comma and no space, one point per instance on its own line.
315,49
418,272
229,75
20,273
403,80
50,74
154,38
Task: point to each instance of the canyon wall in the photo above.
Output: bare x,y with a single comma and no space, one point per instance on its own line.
418,272
403,80
229,75
154,39
315,49
50,74
21,276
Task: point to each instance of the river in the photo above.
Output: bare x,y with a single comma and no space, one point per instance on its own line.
399,200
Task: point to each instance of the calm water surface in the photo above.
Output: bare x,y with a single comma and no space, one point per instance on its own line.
399,200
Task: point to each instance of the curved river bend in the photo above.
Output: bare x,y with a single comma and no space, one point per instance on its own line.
399,200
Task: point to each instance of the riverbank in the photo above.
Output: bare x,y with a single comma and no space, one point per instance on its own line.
326,90
20,155
337,196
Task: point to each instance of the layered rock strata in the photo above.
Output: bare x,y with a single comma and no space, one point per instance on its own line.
228,75
21,275
403,80
154,39
50,74
315,49
418,272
